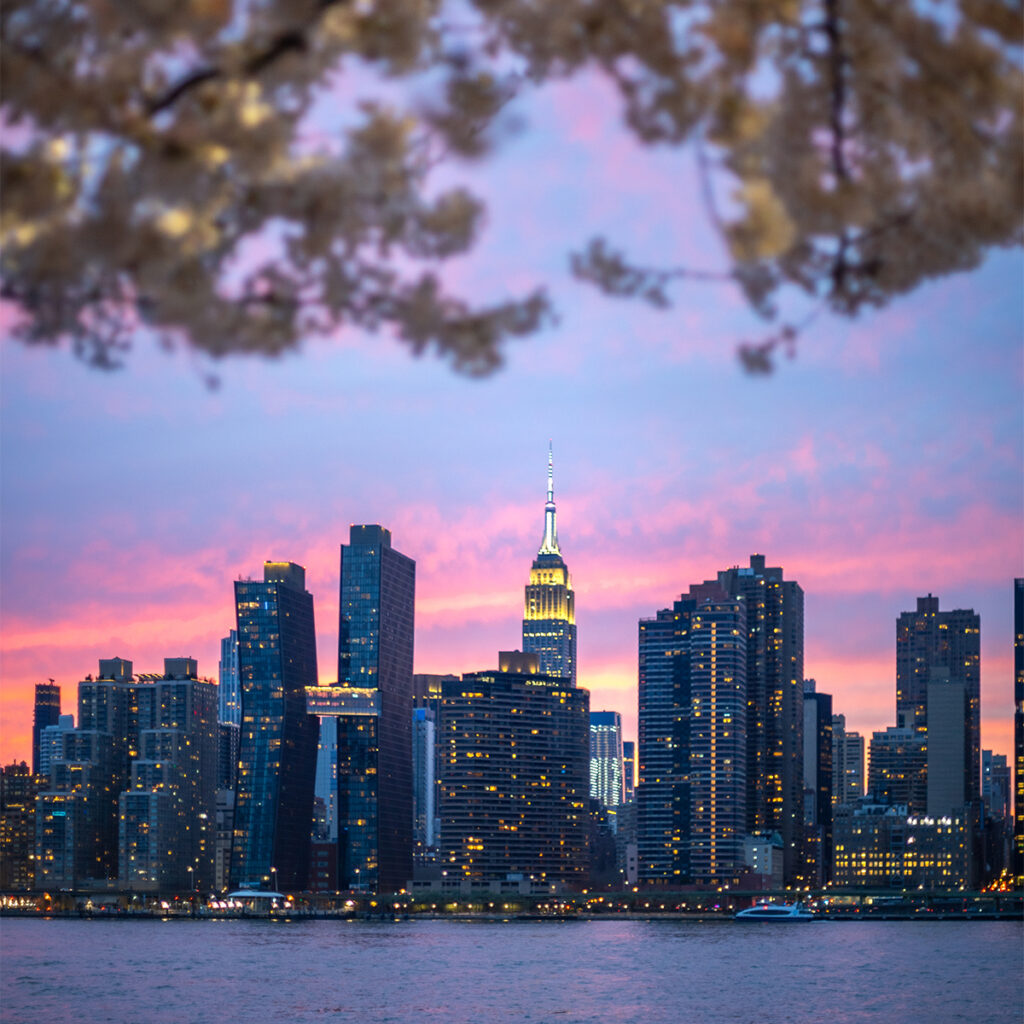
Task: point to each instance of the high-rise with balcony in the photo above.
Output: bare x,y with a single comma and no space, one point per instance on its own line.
692,791
515,782
549,612
373,710
278,740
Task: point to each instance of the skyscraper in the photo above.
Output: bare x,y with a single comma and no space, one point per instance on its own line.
606,757
278,741
374,741
229,694
46,713
549,615
692,793
818,752
928,639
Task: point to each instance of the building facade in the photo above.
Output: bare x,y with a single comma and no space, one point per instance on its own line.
898,769
374,742
18,788
775,678
882,846
628,770
847,763
229,694
515,786
424,782
818,776
278,740
928,639
606,758
46,712
549,612
693,788
167,820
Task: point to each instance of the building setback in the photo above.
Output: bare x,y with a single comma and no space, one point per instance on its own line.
549,611
374,739
926,640
516,777
278,739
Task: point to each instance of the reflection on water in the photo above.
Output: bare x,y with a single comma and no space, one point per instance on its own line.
612,972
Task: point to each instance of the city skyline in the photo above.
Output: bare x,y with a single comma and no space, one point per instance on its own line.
627,707
884,462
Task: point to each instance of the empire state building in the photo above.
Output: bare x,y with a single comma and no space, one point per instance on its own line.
549,616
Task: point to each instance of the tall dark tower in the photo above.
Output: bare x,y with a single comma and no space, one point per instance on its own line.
278,740
375,648
930,643
549,615
46,712
1018,726
775,684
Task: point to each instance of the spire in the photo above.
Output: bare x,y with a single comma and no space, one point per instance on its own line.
549,545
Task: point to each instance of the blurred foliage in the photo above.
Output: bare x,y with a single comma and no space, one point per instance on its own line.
159,168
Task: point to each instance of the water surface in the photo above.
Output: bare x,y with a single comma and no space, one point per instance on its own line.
557,972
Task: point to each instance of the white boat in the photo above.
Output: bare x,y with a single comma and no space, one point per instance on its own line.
775,912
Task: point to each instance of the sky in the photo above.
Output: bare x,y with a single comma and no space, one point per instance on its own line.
883,463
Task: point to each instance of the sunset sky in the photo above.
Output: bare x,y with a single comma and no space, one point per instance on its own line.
882,463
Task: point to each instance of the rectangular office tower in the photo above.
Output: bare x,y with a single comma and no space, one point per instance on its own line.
926,640
45,714
278,740
514,791
374,742
692,793
606,758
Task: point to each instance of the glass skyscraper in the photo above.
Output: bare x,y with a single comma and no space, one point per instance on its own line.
549,614
278,741
374,720
230,691
606,757
46,713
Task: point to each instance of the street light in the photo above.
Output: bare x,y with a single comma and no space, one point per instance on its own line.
191,889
